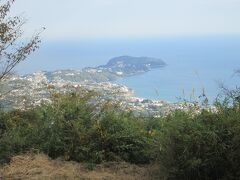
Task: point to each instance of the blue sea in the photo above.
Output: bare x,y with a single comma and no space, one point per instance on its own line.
194,64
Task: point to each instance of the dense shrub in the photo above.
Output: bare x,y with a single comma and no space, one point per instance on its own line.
74,129
185,145
15,133
205,146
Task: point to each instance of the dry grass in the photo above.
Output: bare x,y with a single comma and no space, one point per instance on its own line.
31,166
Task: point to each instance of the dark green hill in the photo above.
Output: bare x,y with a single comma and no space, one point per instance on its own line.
127,65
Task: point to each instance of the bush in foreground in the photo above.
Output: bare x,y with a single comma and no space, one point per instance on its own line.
185,146
205,146
74,129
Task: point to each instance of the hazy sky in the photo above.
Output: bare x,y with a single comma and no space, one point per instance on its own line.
71,19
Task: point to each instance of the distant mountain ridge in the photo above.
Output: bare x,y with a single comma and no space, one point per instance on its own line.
115,68
128,65
135,61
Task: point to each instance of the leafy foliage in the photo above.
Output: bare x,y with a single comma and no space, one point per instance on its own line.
12,51
74,129
204,146
185,145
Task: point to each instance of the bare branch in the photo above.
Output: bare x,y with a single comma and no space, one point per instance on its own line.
12,51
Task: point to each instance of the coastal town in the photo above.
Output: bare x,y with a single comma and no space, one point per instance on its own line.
34,89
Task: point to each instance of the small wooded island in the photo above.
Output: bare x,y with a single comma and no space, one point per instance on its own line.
127,65
117,67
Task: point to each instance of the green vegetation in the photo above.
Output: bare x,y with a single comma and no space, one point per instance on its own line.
129,66
185,145
72,128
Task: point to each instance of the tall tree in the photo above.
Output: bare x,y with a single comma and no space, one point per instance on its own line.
12,49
